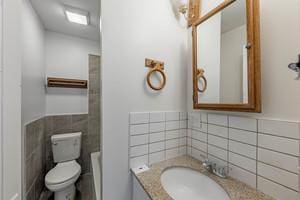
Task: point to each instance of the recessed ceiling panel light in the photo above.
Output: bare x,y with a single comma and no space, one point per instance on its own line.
77,16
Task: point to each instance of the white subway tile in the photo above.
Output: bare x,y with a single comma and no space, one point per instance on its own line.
157,116
204,117
201,127
139,118
138,150
157,127
189,133
189,151
285,145
280,128
242,162
218,130
172,134
182,150
277,191
171,153
243,123
171,116
199,155
218,119
243,136
182,141
183,133
216,160
139,129
156,157
172,125
183,116
280,160
158,146
199,135
172,143
138,140
183,124
278,175
156,137
138,161
189,141
242,175
217,152
243,149
199,145
217,141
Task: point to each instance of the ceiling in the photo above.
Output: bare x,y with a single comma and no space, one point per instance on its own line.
234,16
51,13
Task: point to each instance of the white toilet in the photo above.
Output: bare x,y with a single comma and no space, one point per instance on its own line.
61,179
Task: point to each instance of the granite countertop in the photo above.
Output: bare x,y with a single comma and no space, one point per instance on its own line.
150,181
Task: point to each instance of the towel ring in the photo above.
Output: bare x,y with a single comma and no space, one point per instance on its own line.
200,75
156,66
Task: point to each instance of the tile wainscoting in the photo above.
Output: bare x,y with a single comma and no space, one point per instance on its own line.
38,148
260,152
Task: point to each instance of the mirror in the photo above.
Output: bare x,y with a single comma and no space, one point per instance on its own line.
226,57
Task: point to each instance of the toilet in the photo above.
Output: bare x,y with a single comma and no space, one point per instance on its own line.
61,179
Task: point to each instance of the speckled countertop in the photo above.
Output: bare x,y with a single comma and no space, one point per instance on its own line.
150,181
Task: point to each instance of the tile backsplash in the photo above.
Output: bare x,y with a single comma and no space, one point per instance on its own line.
156,136
262,153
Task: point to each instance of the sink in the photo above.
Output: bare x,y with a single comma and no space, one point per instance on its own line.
184,183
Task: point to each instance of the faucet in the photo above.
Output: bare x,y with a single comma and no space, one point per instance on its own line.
221,172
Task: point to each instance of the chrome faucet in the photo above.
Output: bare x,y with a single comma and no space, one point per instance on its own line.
221,172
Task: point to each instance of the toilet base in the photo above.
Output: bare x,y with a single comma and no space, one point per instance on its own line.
66,194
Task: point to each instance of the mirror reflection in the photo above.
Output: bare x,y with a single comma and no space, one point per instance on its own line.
222,56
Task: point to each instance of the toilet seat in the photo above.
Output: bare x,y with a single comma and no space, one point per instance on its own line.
62,175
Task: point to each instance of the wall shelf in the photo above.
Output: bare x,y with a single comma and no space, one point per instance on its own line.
66,83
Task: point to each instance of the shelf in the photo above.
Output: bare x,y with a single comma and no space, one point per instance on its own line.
66,83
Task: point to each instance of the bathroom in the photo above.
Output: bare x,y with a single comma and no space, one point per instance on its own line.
142,90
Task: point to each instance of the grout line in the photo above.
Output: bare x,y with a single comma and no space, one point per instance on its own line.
278,167
278,136
242,168
228,145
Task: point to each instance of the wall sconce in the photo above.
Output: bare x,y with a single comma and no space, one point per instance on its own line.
190,9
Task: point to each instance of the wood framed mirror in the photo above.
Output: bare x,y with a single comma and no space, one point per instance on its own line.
226,57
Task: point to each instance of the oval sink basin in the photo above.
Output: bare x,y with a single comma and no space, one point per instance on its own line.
184,183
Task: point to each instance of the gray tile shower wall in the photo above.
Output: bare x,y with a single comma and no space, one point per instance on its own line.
262,153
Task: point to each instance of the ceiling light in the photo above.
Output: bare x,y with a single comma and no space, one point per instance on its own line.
77,16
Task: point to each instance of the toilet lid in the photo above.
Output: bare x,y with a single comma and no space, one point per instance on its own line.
63,172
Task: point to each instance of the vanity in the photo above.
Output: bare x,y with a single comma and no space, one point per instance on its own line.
155,184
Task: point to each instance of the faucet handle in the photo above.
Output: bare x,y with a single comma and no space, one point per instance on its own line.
222,171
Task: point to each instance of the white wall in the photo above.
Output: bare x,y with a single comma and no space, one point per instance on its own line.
231,72
280,45
33,65
132,31
67,57
11,100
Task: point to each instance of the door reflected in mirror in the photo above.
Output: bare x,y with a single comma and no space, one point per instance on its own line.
222,55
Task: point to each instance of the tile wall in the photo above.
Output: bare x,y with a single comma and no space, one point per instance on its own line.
156,136
262,153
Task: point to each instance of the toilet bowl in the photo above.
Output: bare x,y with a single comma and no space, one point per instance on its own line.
61,179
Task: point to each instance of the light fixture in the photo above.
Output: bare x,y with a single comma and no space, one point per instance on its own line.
76,15
189,9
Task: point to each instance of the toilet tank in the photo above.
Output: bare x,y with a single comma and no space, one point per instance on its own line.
66,147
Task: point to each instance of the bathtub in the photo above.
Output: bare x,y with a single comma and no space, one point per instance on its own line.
96,171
